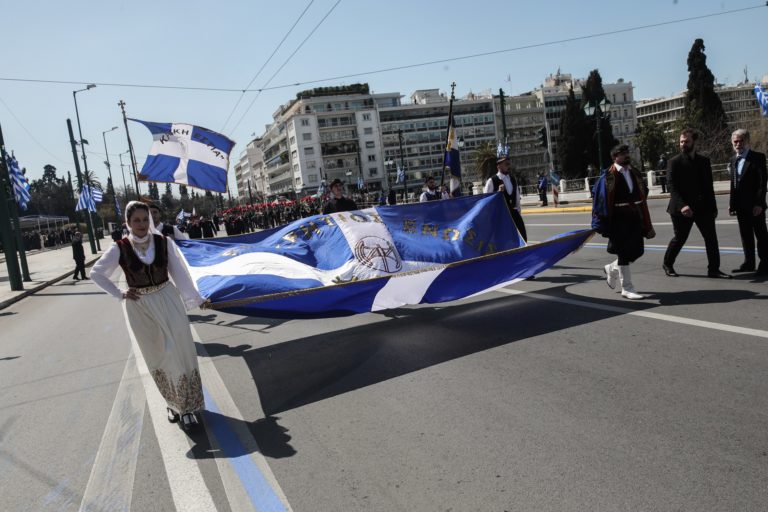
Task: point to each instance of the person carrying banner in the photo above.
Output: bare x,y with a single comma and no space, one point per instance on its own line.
431,193
621,193
338,203
165,229
504,182
155,310
747,203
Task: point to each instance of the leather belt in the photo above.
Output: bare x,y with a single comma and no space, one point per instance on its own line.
631,203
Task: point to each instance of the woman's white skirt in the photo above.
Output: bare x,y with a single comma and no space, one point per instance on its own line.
161,327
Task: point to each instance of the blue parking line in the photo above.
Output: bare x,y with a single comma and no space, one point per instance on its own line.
262,495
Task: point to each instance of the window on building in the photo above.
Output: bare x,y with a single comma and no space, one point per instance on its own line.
368,130
295,167
306,136
311,164
305,122
371,158
309,151
366,117
373,171
293,140
312,178
370,144
625,97
294,155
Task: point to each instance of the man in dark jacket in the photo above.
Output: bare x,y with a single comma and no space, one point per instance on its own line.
692,200
78,254
337,202
748,189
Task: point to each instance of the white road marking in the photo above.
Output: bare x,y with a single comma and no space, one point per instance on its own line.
110,486
644,314
583,225
188,488
233,482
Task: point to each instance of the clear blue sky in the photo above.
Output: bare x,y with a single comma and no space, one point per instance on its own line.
223,44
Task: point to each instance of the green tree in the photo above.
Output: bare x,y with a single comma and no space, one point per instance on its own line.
50,195
594,93
703,109
485,161
169,203
154,193
571,142
653,142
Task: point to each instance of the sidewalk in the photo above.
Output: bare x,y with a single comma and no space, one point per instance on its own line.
45,268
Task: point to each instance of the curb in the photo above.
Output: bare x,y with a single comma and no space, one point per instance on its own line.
29,291
567,209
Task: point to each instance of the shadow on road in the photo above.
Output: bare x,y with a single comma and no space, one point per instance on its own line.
272,438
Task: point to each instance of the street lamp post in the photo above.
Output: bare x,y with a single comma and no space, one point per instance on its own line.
82,146
402,165
122,171
600,111
250,194
106,162
388,164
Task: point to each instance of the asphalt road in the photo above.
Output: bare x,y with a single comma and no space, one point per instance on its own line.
552,394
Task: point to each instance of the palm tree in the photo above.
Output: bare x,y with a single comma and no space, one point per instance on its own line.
485,161
90,177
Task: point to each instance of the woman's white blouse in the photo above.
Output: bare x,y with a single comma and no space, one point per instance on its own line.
110,261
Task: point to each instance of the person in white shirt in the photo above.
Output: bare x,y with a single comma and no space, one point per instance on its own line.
164,229
155,309
431,193
504,182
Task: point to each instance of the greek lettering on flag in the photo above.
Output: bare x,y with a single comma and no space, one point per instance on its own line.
18,181
762,99
85,201
453,160
370,260
188,155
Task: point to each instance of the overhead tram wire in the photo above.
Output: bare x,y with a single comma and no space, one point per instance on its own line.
384,70
60,160
245,89
283,65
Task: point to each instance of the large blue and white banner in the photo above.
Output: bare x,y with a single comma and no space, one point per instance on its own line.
187,155
372,259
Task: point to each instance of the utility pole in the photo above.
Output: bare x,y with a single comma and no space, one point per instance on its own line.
82,184
503,117
121,104
402,165
6,228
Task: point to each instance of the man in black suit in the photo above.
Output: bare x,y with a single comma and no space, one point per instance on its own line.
691,200
337,202
748,188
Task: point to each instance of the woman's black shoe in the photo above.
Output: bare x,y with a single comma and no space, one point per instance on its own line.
173,416
189,421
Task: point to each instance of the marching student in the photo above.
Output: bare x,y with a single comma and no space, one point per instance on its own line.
156,309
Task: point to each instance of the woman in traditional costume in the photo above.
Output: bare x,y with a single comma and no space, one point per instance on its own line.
156,309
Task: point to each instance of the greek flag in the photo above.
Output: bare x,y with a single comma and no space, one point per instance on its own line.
117,208
97,194
453,160
762,99
400,177
360,183
187,155
370,260
181,216
86,201
18,181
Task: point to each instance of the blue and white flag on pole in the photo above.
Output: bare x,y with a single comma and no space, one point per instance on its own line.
762,99
453,160
85,201
187,155
19,182
370,260
400,177
117,208
360,183
97,194
181,216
